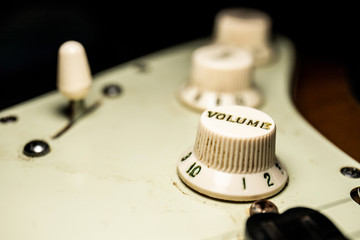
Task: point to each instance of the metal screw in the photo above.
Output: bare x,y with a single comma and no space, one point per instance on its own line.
112,90
8,119
350,172
36,148
141,66
263,206
355,195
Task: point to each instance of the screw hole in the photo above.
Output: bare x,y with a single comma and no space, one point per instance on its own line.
8,119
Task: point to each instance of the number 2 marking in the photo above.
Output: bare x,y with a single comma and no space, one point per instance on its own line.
267,176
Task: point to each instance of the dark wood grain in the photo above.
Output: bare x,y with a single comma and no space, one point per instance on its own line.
322,94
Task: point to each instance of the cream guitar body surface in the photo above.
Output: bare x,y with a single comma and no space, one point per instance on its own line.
112,173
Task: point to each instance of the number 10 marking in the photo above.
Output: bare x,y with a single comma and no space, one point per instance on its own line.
193,170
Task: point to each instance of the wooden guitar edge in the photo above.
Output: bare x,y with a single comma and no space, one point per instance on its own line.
322,94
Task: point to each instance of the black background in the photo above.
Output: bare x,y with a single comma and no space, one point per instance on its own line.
30,34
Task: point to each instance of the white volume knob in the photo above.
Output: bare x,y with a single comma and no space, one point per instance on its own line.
248,28
233,157
74,77
220,75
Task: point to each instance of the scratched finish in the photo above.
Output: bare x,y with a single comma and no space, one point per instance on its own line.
112,175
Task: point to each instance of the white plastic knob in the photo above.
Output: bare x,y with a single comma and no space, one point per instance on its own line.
74,77
220,75
234,155
248,28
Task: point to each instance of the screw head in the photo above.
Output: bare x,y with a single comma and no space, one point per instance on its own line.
36,148
263,206
355,195
112,90
350,172
141,66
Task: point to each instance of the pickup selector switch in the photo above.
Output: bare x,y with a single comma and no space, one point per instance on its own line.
233,157
74,77
245,27
220,75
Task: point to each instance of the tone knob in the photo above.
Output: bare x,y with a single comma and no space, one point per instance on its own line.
220,75
248,28
233,157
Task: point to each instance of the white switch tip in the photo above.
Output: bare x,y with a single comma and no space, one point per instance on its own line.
73,75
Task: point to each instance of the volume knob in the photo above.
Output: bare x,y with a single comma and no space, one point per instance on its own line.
234,155
220,75
248,28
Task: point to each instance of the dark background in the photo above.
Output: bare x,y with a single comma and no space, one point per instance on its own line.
30,34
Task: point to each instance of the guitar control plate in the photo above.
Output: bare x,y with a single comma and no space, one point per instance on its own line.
112,175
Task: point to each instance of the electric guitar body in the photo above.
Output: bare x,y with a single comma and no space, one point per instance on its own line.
112,174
